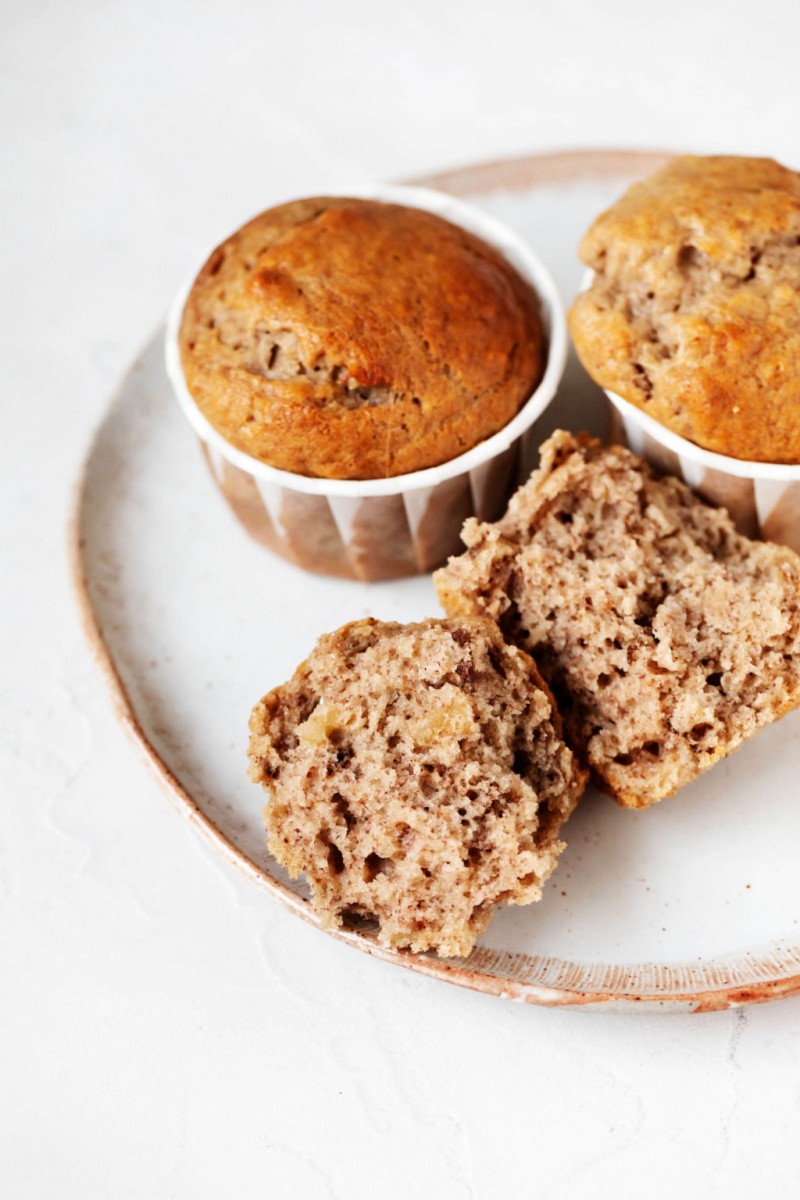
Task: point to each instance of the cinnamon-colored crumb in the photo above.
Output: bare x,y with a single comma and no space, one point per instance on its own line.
417,776
667,637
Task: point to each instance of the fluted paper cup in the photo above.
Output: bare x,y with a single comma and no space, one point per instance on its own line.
762,498
384,528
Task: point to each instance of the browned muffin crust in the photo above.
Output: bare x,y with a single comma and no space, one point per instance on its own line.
694,311
667,637
417,776
352,339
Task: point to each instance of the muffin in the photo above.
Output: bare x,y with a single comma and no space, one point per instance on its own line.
354,339
417,776
667,637
693,312
395,525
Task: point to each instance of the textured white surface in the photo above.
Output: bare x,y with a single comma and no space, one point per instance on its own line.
166,1032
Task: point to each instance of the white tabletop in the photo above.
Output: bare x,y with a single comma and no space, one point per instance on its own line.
167,1030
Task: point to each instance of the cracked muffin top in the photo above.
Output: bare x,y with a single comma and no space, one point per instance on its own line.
693,314
353,339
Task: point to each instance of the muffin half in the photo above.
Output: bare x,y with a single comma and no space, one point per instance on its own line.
667,637
417,776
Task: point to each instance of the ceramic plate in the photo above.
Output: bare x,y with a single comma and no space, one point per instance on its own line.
694,903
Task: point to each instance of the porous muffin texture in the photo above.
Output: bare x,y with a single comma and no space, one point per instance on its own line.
667,637
352,339
693,314
417,776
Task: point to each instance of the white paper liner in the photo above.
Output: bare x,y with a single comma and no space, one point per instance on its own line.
762,498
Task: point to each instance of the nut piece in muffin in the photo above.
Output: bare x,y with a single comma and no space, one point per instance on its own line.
353,339
667,637
417,776
693,314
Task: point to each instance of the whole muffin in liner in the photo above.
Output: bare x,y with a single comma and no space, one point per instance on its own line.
689,319
401,525
692,312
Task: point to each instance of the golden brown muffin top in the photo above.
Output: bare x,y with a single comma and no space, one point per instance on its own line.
353,339
694,311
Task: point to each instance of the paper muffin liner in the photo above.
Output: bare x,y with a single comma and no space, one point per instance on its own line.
376,529
762,498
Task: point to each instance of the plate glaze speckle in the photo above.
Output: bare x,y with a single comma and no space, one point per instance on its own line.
693,904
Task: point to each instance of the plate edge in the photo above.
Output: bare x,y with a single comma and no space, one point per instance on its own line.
474,179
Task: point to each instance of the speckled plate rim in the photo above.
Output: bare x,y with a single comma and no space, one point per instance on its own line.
709,986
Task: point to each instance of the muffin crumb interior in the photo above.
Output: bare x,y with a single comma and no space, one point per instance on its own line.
667,637
417,776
